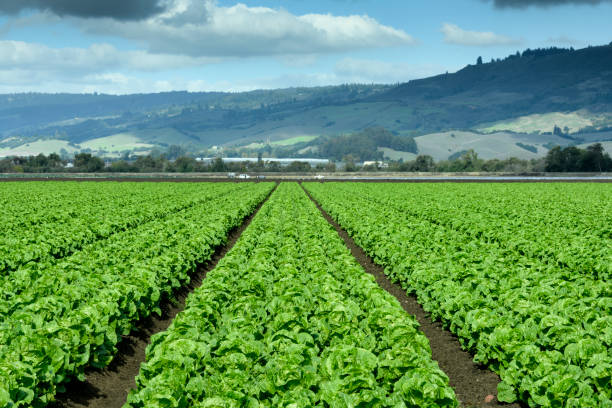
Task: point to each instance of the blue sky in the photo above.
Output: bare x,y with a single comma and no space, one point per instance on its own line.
224,45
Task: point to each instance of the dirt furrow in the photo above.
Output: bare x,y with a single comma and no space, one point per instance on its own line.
475,386
109,387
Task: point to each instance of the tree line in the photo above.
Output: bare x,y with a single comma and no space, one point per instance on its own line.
558,159
363,146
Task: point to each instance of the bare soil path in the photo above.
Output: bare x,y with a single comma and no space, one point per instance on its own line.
475,386
109,387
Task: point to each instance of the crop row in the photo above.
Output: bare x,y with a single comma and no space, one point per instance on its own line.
59,319
567,225
547,331
60,218
289,319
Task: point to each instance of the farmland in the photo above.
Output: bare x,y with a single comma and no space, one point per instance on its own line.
62,314
521,274
289,317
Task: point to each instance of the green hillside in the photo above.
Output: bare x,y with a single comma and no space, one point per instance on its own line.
529,93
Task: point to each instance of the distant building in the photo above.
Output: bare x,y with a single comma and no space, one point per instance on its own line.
282,161
378,164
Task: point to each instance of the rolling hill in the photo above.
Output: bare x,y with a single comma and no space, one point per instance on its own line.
528,93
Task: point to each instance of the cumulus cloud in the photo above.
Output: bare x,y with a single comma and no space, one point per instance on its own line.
454,34
177,34
542,3
31,67
27,67
203,28
117,9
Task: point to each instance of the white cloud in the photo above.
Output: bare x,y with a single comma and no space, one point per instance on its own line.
203,28
368,71
116,83
564,40
19,55
191,34
26,67
453,34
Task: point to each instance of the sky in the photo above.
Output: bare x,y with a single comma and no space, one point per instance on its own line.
143,46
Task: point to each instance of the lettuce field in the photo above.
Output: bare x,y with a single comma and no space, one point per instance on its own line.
518,273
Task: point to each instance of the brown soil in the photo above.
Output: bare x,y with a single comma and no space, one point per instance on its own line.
472,383
109,387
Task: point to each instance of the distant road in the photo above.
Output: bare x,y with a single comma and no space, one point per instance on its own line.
365,177
478,178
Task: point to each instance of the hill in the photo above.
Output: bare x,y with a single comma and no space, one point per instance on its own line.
551,96
532,82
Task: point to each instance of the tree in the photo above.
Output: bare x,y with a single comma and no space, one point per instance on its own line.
424,163
554,160
88,163
469,161
274,166
185,164
54,160
148,164
298,167
39,161
217,165
330,167
364,145
349,163
573,158
479,61
594,158
121,166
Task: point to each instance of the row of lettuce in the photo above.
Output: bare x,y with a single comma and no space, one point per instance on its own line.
289,319
502,268
64,314
556,223
41,222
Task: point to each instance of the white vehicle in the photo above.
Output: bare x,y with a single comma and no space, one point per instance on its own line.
319,177
243,176
231,175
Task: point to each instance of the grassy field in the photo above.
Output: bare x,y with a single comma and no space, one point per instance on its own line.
540,123
396,155
294,140
115,143
499,145
39,146
606,145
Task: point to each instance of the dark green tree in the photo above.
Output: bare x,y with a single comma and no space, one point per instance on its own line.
217,165
298,167
87,163
185,164
424,163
